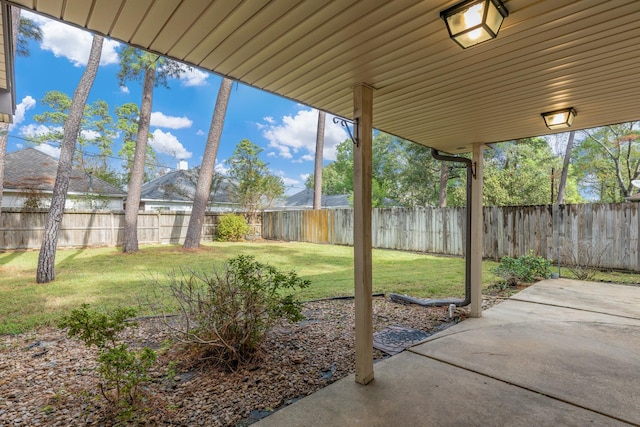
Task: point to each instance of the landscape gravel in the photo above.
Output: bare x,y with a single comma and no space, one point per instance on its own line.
47,379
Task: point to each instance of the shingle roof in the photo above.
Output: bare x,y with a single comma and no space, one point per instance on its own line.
180,185
305,199
30,169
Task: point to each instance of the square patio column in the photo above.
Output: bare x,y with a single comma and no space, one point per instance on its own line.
362,175
476,232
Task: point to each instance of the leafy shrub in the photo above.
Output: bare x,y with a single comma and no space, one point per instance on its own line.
523,269
227,314
34,199
231,228
122,369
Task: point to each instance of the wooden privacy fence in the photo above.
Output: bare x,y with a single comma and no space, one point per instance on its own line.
21,229
412,229
607,229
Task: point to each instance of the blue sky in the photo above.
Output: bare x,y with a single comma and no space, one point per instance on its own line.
181,114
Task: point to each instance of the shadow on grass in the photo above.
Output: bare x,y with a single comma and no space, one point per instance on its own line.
7,257
66,258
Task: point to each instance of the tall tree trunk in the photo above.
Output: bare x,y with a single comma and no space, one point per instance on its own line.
203,187
47,256
4,127
317,171
565,167
130,243
444,177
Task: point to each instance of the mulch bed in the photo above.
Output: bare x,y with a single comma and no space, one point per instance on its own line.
47,379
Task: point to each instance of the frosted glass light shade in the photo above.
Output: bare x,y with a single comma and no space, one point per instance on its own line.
474,21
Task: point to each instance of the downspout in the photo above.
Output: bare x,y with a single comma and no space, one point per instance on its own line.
467,267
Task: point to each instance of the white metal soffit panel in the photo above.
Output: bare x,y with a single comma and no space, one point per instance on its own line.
549,54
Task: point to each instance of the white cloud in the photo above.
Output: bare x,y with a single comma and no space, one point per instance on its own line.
269,121
160,120
221,168
35,129
89,134
49,149
304,176
72,43
288,182
200,132
167,143
124,89
305,158
296,135
193,77
27,103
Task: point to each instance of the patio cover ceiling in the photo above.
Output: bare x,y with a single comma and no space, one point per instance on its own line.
550,54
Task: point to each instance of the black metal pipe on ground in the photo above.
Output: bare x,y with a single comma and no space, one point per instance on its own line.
467,273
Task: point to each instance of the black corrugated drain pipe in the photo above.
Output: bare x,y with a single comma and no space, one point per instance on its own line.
467,270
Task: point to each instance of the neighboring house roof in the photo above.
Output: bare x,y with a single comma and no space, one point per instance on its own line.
180,185
30,169
305,199
633,198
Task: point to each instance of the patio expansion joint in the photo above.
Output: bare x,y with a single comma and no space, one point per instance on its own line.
574,308
533,390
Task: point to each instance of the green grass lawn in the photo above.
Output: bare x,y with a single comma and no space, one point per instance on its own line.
105,277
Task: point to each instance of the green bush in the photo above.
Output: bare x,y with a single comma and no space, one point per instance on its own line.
123,370
227,314
231,228
524,269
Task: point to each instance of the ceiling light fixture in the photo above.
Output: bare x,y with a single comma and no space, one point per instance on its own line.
559,119
474,21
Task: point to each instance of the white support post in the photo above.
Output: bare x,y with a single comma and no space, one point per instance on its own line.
362,175
476,232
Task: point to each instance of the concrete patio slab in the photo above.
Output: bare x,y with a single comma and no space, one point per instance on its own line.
593,364
550,356
411,390
618,300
